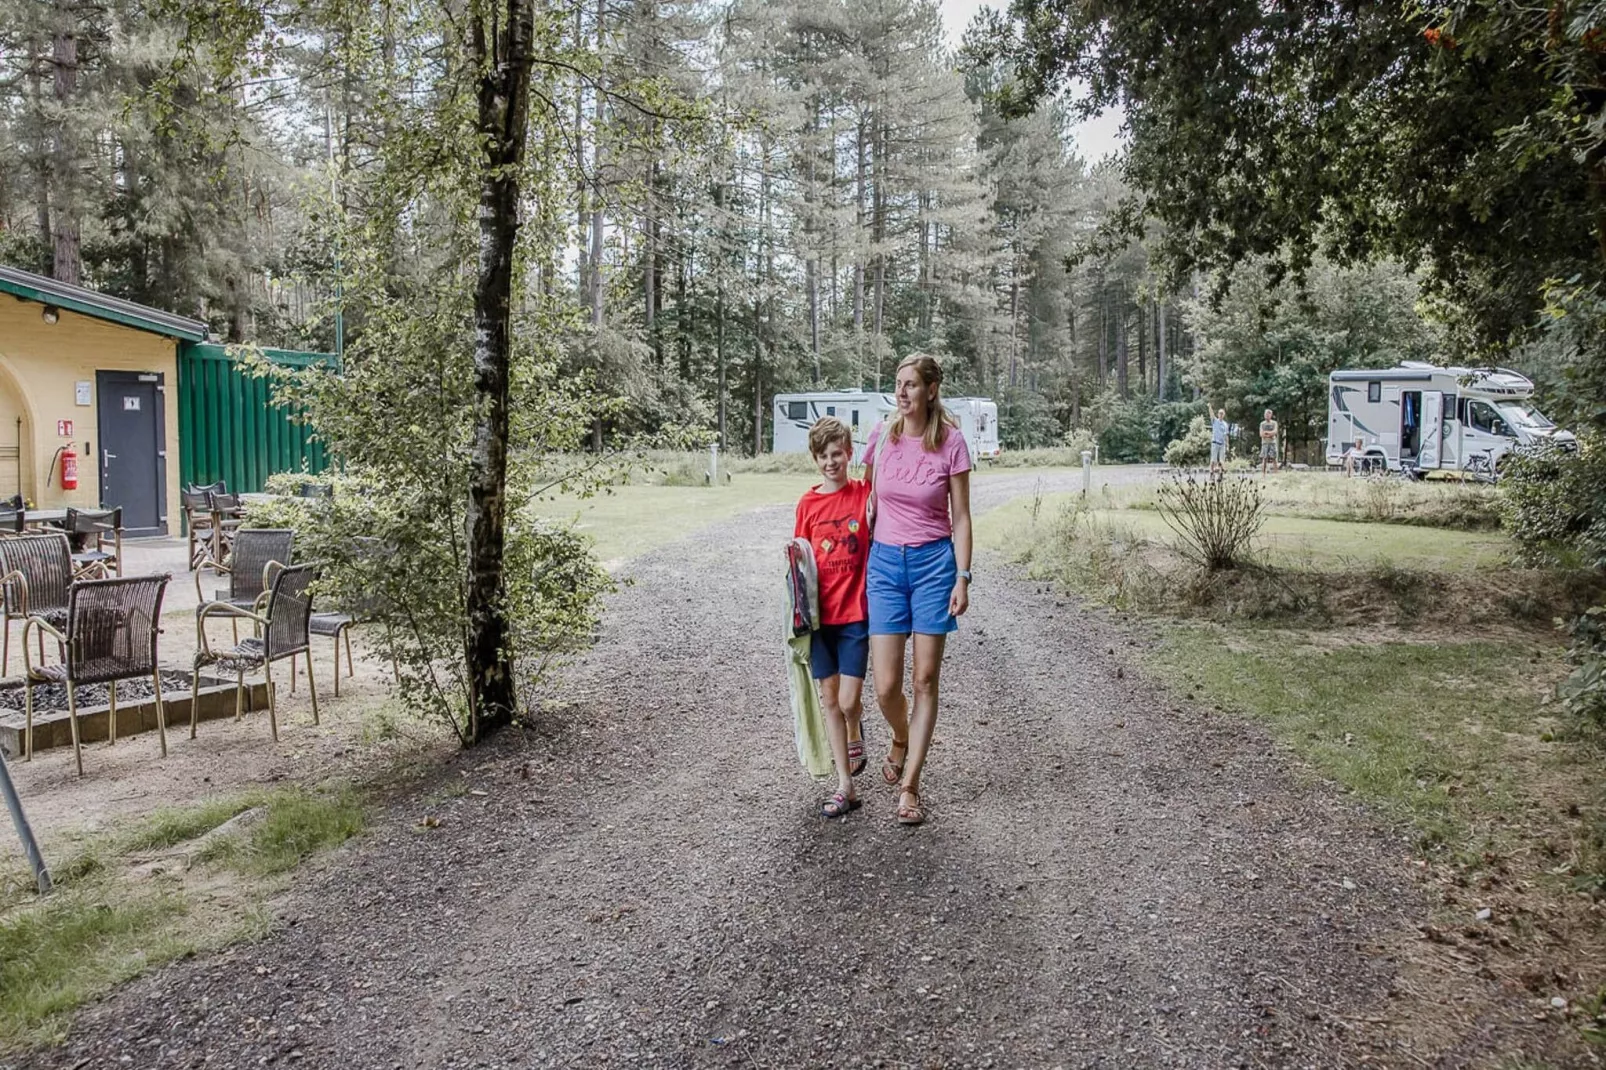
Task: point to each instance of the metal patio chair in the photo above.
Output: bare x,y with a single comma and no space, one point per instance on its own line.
101,525
38,575
337,625
110,635
255,555
282,633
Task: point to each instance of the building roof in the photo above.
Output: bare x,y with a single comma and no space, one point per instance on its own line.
30,287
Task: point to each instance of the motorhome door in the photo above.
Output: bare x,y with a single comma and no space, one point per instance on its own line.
1432,429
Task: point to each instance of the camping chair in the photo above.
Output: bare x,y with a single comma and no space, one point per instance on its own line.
197,505
11,520
38,576
254,556
282,633
110,635
101,523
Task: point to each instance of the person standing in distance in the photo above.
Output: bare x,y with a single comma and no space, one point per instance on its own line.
918,580
1218,443
1268,442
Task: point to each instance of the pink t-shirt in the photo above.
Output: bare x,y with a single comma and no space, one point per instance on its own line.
911,487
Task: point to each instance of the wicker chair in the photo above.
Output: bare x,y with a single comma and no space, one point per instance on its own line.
110,635
38,576
282,633
255,555
84,524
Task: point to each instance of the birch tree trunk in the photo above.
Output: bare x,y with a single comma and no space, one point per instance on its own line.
503,60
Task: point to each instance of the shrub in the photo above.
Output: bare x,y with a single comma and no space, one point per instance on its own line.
1078,439
1193,448
1216,521
1556,504
1583,692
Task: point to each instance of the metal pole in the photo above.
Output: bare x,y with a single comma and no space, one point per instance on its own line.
1087,471
713,464
30,846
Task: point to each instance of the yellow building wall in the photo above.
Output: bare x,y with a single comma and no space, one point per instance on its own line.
40,365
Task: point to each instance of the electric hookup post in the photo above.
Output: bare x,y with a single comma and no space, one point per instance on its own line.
30,846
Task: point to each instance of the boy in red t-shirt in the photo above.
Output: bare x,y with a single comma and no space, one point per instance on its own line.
832,517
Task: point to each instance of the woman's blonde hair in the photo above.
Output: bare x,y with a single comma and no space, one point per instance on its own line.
938,419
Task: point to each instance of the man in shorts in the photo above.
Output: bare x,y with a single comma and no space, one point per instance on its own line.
1218,443
1268,443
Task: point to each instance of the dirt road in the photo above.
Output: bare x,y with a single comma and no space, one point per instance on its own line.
1110,876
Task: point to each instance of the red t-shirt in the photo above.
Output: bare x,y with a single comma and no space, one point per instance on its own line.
836,526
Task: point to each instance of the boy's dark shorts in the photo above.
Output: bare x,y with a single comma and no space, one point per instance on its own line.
840,649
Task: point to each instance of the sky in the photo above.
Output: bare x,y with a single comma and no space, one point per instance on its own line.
1095,139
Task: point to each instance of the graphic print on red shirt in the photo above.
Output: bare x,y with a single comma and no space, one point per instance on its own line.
836,527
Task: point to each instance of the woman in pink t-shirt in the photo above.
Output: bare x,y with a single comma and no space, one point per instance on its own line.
918,574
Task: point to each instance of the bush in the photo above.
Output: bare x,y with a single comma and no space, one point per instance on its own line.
1193,448
1216,521
1078,439
1583,692
1026,420
1556,504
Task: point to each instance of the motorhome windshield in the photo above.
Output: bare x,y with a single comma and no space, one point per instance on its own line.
1524,415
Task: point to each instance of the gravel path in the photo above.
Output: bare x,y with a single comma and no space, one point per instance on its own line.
1109,877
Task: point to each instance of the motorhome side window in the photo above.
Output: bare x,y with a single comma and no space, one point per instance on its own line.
1449,407
855,417
830,410
797,410
1374,391
1481,415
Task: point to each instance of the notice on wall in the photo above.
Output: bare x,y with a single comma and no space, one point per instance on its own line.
64,428
131,404
83,389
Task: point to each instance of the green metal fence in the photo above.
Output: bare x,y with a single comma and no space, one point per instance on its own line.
230,427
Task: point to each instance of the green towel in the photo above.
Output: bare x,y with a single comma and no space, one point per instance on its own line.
808,716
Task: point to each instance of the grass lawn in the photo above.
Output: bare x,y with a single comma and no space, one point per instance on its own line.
1446,737
130,900
636,518
639,517
1287,541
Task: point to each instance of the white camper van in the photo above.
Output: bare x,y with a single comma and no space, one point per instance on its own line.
978,419
1419,417
796,413
861,411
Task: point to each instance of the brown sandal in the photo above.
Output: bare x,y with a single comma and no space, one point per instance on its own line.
910,815
892,772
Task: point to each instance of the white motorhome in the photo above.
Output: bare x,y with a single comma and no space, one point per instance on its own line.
978,419
795,414
862,410
1420,417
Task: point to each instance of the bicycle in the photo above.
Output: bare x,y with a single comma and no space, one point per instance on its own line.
1480,467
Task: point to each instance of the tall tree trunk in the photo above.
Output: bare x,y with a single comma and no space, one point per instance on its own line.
1121,370
858,257
1160,370
1104,336
503,93
66,256
649,260
719,313
1143,352
598,213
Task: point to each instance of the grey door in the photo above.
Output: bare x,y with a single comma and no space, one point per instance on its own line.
131,451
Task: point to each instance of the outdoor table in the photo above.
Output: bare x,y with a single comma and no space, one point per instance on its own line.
42,517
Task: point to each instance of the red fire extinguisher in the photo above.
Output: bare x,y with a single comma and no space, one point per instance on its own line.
69,469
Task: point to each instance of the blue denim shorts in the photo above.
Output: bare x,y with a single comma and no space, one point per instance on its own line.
839,649
909,588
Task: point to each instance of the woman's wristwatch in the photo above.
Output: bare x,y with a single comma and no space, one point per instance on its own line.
964,574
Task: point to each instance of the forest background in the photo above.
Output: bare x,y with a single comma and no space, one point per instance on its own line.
747,198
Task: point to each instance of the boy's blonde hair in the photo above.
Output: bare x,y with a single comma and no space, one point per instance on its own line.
826,430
